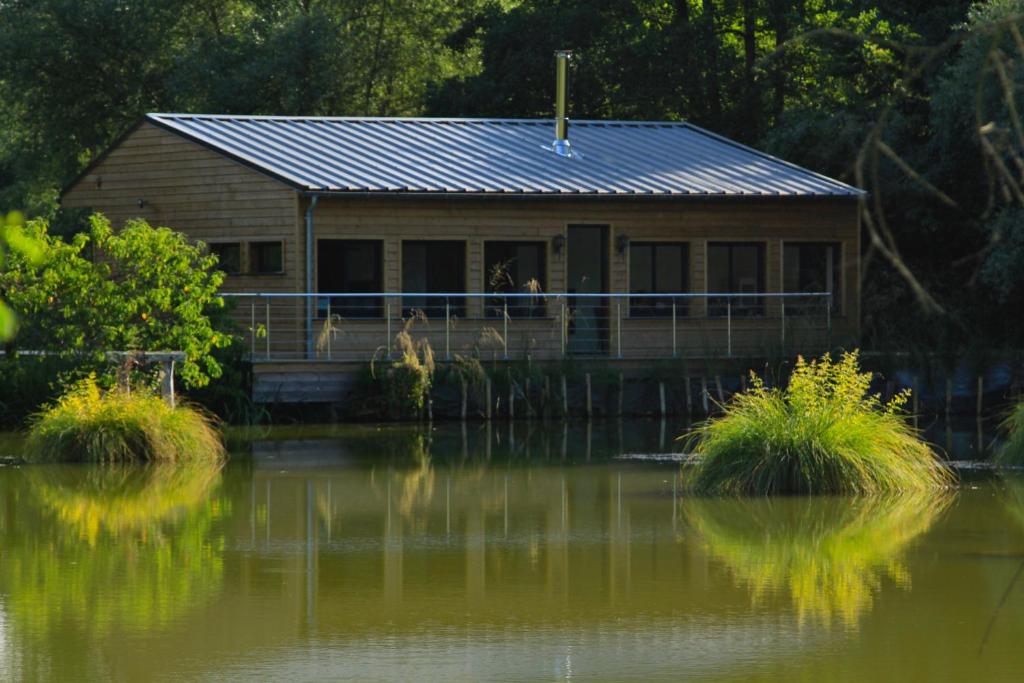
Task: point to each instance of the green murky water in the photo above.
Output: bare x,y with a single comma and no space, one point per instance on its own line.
357,554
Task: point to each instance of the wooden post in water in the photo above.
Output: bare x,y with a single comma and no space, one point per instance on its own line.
981,394
487,389
661,397
511,397
949,396
704,394
545,397
590,406
689,396
529,406
622,386
718,386
462,388
565,398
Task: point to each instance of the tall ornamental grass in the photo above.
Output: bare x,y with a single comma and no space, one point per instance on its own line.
88,424
823,433
1011,453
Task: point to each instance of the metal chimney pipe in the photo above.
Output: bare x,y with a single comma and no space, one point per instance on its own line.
561,144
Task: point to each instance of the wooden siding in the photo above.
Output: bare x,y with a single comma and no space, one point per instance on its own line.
199,192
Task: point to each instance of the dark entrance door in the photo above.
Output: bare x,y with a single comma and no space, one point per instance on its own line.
588,274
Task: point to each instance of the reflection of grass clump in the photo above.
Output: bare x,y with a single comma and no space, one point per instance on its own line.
830,554
111,547
1012,450
91,425
119,499
823,433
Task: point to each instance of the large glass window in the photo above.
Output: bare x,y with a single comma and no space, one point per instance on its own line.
658,268
434,266
736,268
229,256
812,267
266,258
350,266
515,268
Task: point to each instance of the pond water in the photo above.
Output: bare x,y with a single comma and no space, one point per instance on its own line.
524,555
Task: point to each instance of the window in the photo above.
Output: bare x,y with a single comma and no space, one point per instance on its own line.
350,266
658,268
434,266
266,258
736,267
811,267
515,268
229,256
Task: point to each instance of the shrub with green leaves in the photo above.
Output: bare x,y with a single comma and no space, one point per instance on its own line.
823,433
88,424
137,288
1011,453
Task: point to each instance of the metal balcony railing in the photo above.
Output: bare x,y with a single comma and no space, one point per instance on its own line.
365,326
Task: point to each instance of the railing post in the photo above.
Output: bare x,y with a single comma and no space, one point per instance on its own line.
252,330
330,329
728,327
564,331
782,309
675,348
387,315
447,329
268,329
504,337
828,319
618,327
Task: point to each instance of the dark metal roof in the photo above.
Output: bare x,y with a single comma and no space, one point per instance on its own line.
499,156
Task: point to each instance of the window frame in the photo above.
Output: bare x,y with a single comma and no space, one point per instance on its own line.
363,308
638,308
253,261
456,305
838,295
220,243
519,307
746,307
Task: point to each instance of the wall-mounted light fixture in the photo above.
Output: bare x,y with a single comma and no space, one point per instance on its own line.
141,203
621,244
558,244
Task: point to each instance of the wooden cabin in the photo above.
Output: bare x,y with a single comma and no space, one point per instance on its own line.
640,240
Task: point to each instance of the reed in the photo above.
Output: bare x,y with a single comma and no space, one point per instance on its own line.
823,433
1011,453
88,424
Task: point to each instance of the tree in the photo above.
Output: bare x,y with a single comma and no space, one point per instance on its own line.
143,288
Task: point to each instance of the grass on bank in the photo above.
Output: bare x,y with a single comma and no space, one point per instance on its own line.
88,424
1011,453
823,433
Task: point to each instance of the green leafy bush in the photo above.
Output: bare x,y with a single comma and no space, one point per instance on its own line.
91,425
138,288
1012,451
823,433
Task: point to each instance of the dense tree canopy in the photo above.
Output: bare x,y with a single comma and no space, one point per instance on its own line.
917,101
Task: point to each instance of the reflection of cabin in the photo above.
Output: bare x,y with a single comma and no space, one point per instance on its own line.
435,205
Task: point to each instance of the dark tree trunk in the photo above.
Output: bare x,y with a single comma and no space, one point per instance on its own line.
750,96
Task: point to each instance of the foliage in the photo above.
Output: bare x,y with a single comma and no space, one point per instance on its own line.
405,383
13,238
1011,452
823,433
830,555
117,426
134,548
139,288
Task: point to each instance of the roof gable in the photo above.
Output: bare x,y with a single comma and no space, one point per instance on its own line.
498,156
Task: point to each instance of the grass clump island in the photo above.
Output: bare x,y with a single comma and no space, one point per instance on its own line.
1011,453
88,424
823,434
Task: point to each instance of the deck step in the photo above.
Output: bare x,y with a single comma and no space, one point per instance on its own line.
302,387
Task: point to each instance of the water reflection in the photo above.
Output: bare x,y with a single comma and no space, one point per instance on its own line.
90,552
830,555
